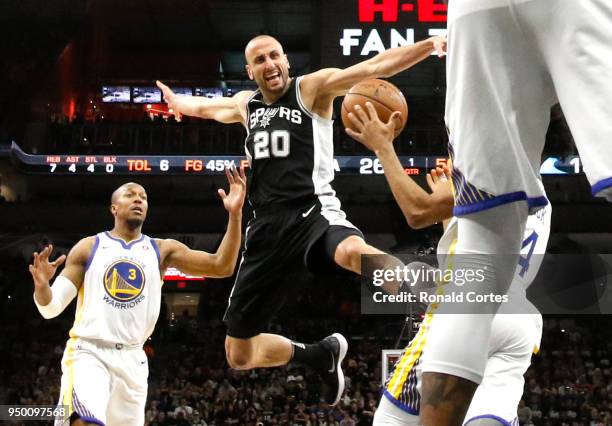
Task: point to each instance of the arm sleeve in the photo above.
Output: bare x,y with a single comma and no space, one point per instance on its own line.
62,291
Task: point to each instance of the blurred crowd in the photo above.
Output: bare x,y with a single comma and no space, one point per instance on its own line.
569,383
159,133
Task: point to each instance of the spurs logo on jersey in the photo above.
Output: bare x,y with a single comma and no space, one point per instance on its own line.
262,116
290,150
268,115
120,297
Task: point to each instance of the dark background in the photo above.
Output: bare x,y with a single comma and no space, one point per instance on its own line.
56,57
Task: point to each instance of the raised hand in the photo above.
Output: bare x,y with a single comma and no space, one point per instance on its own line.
234,201
371,131
41,269
439,176
172,99
439,45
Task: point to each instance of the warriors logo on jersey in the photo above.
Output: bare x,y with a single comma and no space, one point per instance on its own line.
124,280
120,297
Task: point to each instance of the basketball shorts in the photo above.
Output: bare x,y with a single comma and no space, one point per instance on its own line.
389,414
281,243
508,62
102,384
514,337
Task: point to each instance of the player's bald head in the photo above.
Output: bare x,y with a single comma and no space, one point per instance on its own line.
259,40
130,185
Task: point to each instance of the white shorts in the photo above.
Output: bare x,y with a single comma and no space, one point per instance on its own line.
508,62
103,384
388,414
514,338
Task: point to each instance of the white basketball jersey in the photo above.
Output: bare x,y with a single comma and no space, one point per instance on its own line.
535,240
120,298
447,242
516,330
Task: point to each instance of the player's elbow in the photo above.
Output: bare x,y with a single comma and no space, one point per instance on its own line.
205,113
226,271
418,219
224,268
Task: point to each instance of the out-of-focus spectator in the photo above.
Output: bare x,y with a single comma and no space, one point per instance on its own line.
524,413
569,383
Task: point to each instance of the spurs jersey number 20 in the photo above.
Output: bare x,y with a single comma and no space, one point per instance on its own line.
289,148
120,297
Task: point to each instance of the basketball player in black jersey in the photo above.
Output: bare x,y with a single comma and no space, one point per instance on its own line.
297,219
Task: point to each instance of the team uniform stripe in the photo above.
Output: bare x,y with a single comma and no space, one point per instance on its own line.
93,252
298,96
229,299
465,193
67,397
504,422
70,349
247,124
402,385
409,358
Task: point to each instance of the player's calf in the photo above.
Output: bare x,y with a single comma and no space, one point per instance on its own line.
445,399
260,351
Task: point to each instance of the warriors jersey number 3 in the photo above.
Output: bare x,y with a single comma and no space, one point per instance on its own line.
120,298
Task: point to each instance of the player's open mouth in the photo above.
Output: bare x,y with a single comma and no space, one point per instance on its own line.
273,78
137,210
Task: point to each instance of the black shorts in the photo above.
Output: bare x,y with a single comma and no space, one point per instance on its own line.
279,244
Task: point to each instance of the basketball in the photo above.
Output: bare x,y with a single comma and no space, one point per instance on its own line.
385,97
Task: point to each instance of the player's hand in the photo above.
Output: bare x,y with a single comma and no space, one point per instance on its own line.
440,176
172,99
439,43
41,269
371,131
234,201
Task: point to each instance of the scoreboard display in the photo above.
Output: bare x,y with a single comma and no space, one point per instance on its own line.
73,164
79,165
355,30
363,28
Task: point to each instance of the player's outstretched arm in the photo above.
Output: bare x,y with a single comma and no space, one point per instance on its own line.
332,82
52,300
420,208
222,263
224,109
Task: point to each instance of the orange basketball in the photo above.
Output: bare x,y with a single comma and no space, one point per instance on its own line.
385,97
